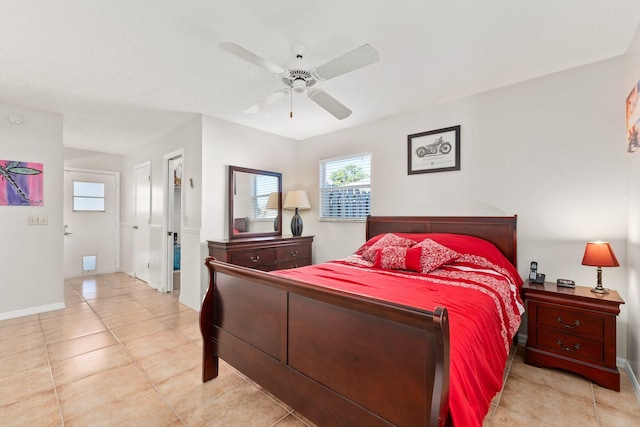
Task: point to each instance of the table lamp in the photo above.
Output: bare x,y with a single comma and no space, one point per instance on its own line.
599,254
274,203
296,199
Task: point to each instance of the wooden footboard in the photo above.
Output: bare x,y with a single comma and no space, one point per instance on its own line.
338,359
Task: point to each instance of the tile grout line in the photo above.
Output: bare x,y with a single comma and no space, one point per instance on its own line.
595,404
510,359
133,360
53,382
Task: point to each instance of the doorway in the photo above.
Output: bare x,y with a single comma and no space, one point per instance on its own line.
173,217
91,217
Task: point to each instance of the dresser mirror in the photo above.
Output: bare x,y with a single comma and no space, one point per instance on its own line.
255,203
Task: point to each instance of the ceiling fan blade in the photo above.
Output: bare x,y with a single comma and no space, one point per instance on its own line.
329,103
357,58
247,55
274,97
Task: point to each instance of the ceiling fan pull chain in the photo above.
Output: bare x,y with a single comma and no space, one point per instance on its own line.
291,105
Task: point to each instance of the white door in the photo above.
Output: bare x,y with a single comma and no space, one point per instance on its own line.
90,222
142,219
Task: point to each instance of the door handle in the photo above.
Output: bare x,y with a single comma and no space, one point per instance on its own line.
66,233
135,227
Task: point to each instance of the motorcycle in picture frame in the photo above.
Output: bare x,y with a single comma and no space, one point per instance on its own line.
434,151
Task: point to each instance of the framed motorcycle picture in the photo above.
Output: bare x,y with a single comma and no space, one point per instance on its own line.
434,151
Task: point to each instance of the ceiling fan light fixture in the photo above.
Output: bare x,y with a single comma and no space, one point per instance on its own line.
299,85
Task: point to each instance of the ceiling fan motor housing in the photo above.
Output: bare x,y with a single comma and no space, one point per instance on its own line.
299,80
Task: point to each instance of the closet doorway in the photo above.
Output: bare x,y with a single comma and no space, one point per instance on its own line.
174,214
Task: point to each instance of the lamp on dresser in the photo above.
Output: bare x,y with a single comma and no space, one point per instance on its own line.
296,199
599,254
274,203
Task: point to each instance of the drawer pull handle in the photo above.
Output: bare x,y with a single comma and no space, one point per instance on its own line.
255,259
574,348
293,253
567,325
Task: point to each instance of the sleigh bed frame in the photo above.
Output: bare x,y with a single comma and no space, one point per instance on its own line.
337,358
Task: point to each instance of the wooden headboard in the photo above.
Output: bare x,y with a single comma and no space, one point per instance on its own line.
499,230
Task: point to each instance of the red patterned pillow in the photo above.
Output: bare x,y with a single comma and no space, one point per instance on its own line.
391,257
387,240
429,255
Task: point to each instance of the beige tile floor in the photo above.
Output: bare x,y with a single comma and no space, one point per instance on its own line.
122,354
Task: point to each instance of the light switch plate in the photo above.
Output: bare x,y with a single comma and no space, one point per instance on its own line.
38,220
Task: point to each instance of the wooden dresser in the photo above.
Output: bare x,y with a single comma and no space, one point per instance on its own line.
264,253
573,329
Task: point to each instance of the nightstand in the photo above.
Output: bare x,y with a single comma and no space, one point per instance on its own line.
573,329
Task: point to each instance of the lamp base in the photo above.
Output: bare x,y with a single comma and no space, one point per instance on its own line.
296,224
599,289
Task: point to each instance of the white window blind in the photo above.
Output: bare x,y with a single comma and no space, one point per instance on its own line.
345,187
261,187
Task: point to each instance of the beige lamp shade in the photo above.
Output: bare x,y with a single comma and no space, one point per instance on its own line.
272,202
297,199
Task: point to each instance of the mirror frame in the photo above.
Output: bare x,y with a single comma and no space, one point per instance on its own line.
232,171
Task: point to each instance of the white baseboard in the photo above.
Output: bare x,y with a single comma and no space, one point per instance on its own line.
191,304
634,380
522,339
31,310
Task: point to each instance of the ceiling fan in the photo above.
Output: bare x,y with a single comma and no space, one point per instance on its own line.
299,76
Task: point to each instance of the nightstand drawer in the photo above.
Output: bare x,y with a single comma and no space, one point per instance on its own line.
571,321
261,259
572,346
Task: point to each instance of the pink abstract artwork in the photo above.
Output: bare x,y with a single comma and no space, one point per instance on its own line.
21,183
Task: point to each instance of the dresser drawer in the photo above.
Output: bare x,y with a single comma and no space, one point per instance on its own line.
575,347
261,259
266,254
293,263
574,322
291,253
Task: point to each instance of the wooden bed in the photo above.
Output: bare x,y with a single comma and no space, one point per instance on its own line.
331,355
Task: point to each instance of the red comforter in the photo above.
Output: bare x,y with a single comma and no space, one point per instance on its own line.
481,295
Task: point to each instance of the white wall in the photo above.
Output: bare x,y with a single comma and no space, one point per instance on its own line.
223,144
209,145
549,150
32,256
186,137
93,160
633,243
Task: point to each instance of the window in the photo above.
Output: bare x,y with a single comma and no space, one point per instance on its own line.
88,196
345,188
261,187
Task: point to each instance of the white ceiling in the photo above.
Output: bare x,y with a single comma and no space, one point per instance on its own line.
123,72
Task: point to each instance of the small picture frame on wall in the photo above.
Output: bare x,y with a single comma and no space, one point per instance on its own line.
434,151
